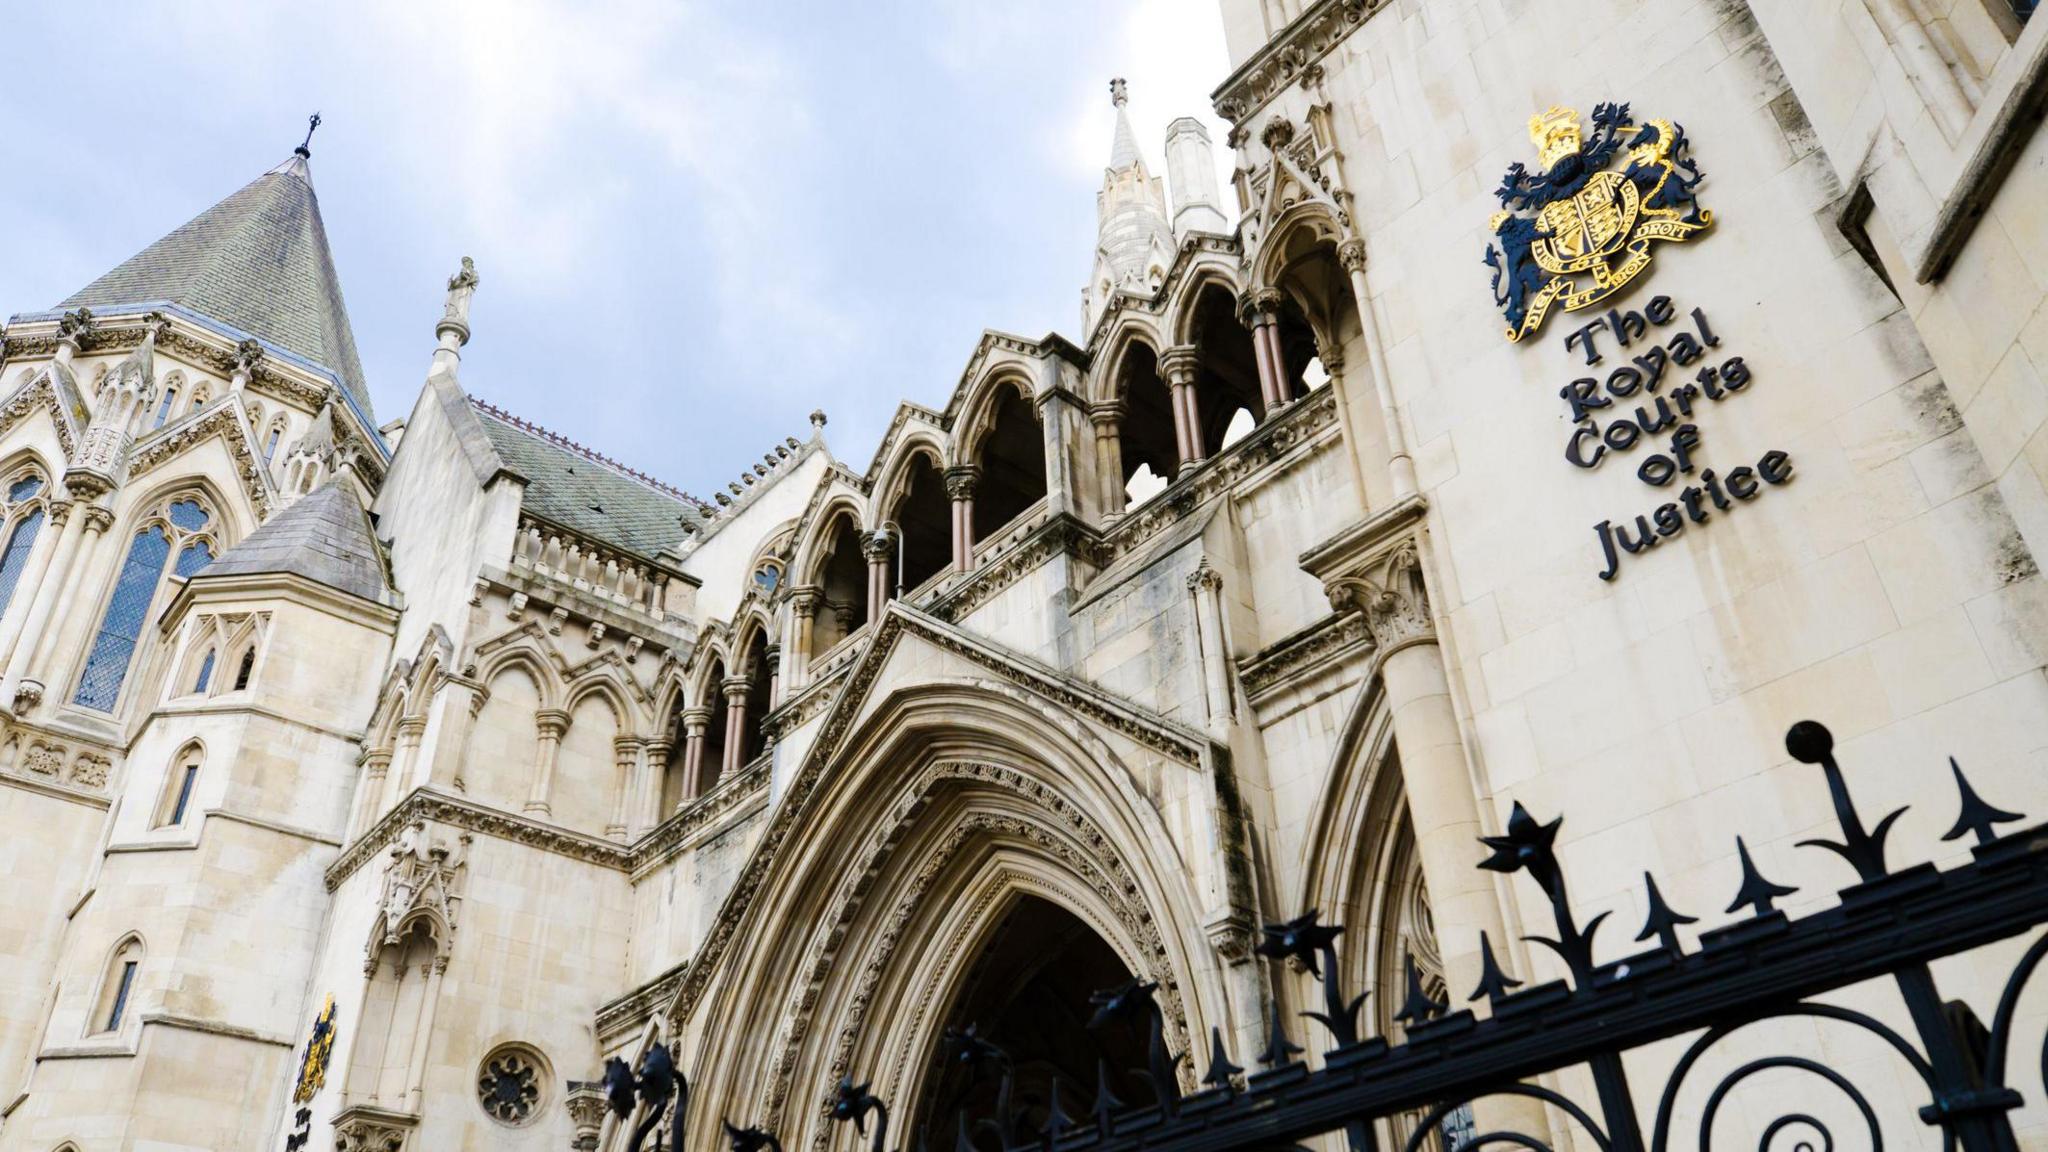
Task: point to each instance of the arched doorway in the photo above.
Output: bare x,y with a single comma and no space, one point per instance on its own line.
1027,993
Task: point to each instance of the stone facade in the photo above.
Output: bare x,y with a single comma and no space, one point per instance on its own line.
369,788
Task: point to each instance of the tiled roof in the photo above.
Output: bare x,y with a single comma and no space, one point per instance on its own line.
585,492
257,261
323,536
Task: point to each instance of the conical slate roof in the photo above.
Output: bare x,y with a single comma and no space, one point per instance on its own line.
324,537
257,261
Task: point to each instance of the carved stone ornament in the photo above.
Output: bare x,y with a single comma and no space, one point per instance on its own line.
1389,591
424,874
586,1105
511,1084
367,1129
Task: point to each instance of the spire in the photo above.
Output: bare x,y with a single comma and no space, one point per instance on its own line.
1123,149
257,262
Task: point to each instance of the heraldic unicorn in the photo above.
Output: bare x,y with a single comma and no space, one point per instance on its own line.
1575,233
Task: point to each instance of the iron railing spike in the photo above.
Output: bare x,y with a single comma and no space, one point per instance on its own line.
1222,1072
1056,1118
1756,892
1977,817
1106,1102
1663,920
1420,1006
1493,982
1280,1051
1810,742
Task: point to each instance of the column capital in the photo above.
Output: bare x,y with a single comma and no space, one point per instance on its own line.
695,720
735,689
98,519
412,727
1262,306
805,598
60,510
627,747
961,480
1178,364
551,722
878,546
1108,412
1351,254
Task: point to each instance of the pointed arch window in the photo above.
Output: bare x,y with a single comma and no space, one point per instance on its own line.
176,803
244,669
117,987
164,406
142,571
270,440
25,512
205,676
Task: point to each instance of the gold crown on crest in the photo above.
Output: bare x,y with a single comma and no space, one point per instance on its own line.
1555,133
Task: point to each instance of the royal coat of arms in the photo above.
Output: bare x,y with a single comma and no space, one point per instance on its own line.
1577,232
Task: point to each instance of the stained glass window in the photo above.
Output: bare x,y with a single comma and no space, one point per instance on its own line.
114,646
187,514
15,556
196,556
24,488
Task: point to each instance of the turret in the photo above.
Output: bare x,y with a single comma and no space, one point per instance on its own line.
1134,244
1191,174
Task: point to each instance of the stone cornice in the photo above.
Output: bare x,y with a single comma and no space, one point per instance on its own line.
1349,549
623,1014
1303,653
714,810
1295,50
456,812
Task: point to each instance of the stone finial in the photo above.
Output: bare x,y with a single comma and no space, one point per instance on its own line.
1119,92
453,330
818,420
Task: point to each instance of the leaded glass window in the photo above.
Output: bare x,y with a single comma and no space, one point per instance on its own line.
23,489
205,671
163,408
142,571
14,557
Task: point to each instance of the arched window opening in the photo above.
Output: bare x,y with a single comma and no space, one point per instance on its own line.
714,729
270,440
205,677
25,510
1145,438
1317,308
135,589
753,733
200,395
244,669
1020,995
670,786
1241,426
164,406
117,988
1226,368
178,784
843,582
923,513
1012,462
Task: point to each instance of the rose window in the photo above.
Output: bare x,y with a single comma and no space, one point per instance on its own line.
509,1085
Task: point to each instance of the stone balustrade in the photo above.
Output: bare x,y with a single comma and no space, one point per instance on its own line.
602,572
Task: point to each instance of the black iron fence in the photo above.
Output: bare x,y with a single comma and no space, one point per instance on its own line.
1758,967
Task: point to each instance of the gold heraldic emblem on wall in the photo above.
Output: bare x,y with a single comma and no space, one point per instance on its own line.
1576,232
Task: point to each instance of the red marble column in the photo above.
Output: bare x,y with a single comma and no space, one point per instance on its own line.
960,487
1178,365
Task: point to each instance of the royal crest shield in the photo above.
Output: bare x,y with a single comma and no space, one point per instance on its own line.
1577,232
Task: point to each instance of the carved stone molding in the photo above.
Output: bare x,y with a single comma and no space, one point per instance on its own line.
1290,56
728,797
1375,570
1302,654
1061,534
425,875
362,1128
221,422
454,812
585,1103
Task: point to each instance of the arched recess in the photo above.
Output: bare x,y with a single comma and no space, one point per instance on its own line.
1319,323
504,744
1008,452
839,572
952,800
1226,368
586,764
1361,870
754,667
918,508
1146,451
405,961
715,727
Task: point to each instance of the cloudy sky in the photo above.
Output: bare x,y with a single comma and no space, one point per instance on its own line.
694,222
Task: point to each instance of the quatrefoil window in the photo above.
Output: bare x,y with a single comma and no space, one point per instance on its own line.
509,1084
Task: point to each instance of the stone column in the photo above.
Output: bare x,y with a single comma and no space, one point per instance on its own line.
1263,315
626,757
423,1034
803,617
735,727
695,721
34,594
652,767
369,793
773,654
879,548
1108,418
551,723
1207,588
67,571
405,761
1178,366
960,488
1400,466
